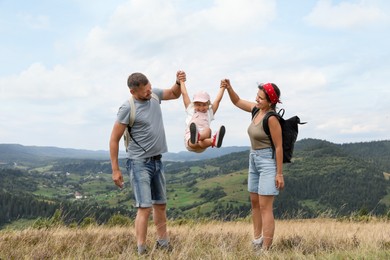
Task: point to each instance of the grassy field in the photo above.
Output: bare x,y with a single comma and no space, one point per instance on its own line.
180,195
294,239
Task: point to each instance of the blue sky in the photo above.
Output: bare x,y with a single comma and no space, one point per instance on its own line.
64,65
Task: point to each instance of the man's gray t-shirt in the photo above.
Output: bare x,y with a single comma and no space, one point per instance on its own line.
148,129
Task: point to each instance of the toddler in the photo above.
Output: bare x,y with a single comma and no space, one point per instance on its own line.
200,112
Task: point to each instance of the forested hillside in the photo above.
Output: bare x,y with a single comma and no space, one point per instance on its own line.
324,178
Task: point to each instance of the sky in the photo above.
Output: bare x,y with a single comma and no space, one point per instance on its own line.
64,65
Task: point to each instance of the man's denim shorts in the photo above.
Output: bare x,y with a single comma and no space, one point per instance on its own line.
262,172
147,181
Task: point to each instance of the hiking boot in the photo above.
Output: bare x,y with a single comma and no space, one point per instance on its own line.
218,137
194,133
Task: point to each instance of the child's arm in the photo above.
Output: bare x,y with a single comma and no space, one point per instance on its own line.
186,99
218,99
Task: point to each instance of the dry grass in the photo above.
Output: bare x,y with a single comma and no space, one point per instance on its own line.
295,239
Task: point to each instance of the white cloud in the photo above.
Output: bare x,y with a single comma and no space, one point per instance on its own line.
73,103
139,20
39,83
345,15
231,15
353,129
38,22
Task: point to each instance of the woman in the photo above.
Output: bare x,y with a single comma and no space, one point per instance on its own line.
265,176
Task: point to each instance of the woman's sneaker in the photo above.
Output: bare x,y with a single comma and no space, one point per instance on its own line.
194,133
257,243
218,137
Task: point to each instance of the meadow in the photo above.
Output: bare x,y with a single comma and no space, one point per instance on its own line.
319,238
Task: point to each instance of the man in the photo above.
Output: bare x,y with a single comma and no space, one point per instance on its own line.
144,154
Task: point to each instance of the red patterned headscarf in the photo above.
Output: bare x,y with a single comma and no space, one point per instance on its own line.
269,89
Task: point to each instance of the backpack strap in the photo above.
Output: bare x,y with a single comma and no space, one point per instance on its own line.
254,111
266,127
132,111
265,122
128,135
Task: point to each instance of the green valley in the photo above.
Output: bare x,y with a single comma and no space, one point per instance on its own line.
324,179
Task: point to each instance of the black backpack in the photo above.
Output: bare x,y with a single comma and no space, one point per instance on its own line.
289,131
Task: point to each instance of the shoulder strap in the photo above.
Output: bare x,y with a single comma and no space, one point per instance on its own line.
265,122
254,111
266,128
132,111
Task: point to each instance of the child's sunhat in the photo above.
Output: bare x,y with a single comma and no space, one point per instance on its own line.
201,96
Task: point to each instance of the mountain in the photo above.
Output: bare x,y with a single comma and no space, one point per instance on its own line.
19,153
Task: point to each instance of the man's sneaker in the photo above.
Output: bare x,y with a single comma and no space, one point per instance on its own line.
163,246
194,133
218,137
142,250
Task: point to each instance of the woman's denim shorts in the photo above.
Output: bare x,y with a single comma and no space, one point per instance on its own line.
262,172
147,181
